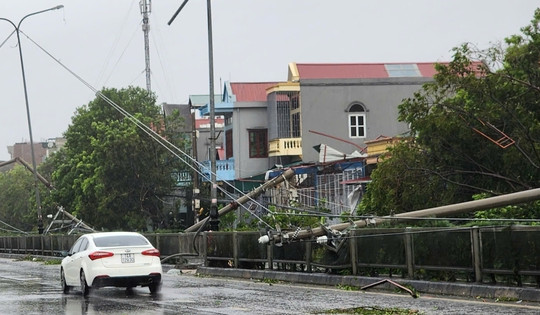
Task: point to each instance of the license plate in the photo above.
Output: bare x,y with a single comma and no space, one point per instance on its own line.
127,258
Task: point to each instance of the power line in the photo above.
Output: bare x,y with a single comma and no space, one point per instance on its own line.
119,57
115,44
149,131
14,228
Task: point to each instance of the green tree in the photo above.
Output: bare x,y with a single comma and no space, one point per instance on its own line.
111,173
17,193
456,123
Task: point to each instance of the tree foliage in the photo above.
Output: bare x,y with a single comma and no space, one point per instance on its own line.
18,209
478,98
17,193
111,173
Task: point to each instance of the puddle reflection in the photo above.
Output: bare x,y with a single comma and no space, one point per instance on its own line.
112,301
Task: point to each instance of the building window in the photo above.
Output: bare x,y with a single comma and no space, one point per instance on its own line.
283,112
258,143
357,120
228,144
296,133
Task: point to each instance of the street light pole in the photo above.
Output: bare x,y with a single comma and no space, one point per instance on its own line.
214,214
34,167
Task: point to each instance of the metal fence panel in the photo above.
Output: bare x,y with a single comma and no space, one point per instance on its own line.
443,248
385,247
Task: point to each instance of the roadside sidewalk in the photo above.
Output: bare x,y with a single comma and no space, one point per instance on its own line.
472,290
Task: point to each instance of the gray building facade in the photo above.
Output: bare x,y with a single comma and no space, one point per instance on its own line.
326,111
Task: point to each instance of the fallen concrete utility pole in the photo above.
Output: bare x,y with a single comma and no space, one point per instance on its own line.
51,187
256,192
459,208
78,222
28,167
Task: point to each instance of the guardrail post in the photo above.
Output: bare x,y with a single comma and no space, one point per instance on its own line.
52,244
157,242
270,254
409,252
205,248
353,248
179,244
476,248
309,256
235,249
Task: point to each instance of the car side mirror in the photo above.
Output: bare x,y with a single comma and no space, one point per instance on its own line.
65,253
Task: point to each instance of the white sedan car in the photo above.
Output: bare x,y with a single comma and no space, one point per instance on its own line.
119,259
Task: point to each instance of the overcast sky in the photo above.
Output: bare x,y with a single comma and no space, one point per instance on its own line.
101,41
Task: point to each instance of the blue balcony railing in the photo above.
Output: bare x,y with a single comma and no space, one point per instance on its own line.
224,170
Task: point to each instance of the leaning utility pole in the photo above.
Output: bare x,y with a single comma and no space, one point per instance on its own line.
145,6
288,174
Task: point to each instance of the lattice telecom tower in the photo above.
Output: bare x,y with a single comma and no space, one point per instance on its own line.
146,8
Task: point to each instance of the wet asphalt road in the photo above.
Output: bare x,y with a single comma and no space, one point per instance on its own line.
33,288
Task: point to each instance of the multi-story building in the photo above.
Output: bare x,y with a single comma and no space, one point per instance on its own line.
42,149
342,105
322,119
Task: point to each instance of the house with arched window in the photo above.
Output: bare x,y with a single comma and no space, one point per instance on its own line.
322,115
345,105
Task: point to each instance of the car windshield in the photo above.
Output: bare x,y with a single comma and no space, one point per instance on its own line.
120,240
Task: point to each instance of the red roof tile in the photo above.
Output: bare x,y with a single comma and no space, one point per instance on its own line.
341,71
427,68
251,92
357,70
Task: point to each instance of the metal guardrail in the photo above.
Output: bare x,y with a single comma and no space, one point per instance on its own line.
476,254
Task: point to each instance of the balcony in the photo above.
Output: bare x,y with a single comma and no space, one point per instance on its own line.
182,178
380,146
224,170
285,146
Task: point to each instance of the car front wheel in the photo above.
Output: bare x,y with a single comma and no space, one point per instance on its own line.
65,287
85,289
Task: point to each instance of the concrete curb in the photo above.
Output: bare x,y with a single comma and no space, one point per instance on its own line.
472,290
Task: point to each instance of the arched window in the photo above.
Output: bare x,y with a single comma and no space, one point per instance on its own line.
357,120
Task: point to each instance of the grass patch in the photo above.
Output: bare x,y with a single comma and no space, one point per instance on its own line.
269,281
347,287
52,262
506,299
365,310
39,259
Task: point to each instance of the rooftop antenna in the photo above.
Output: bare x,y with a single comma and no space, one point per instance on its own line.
146,8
